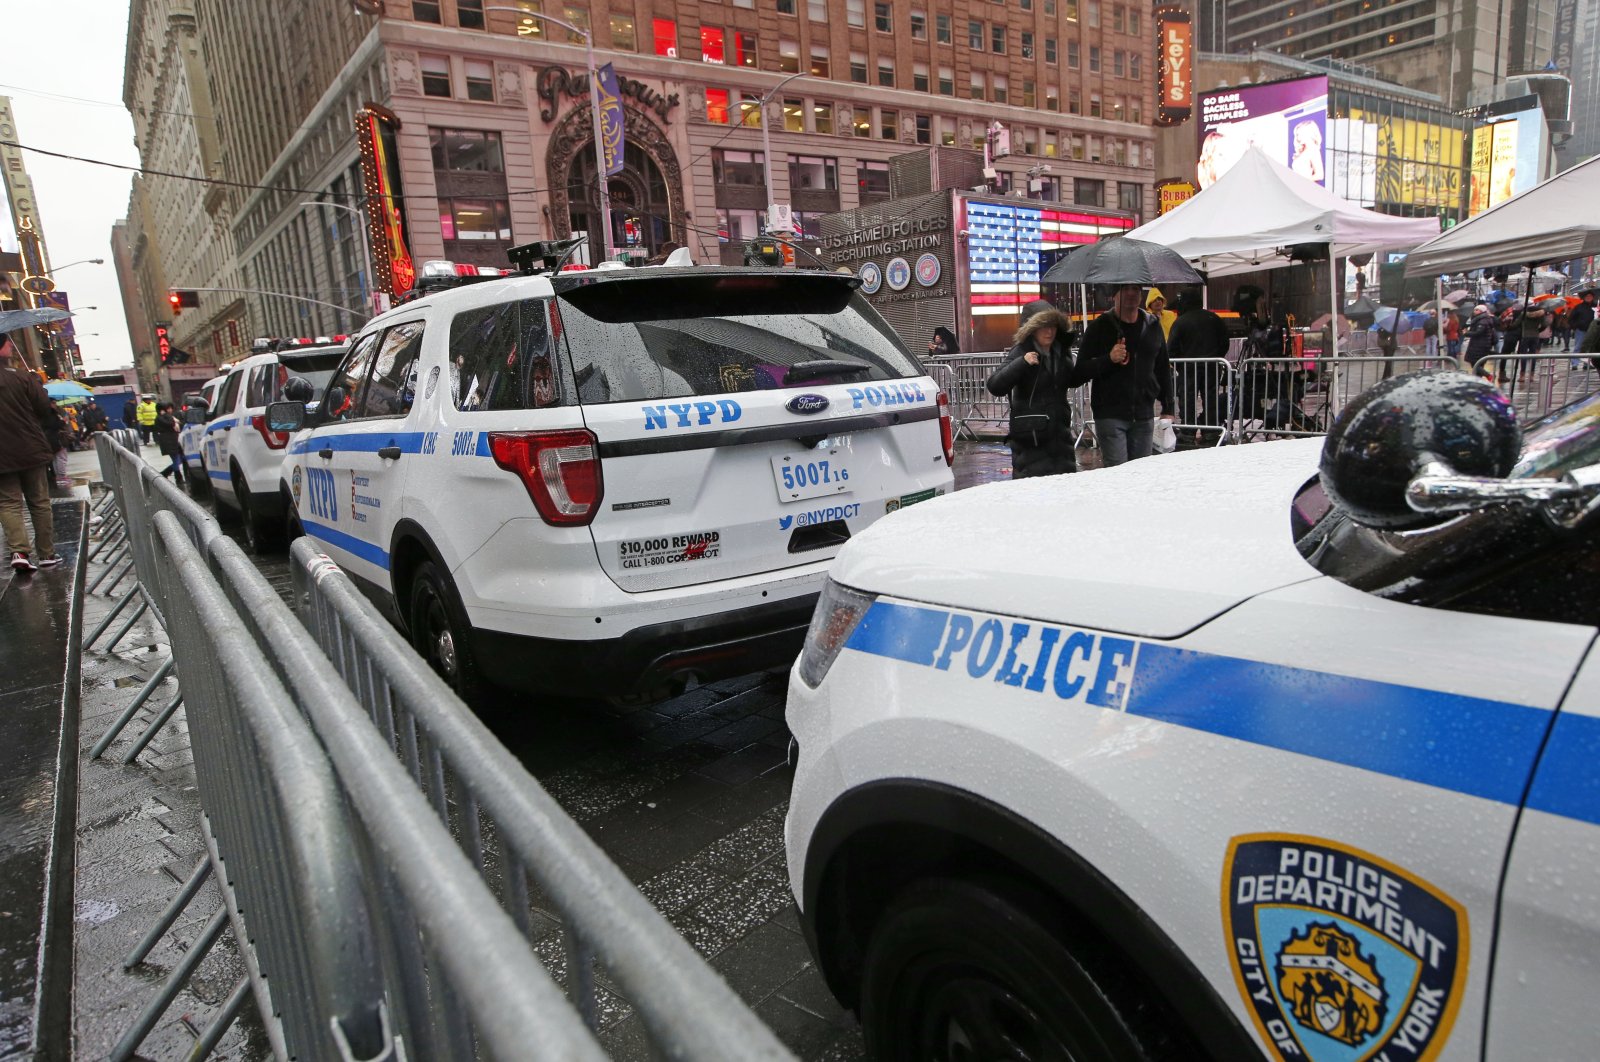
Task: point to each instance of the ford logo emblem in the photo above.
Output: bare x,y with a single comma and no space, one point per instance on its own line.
807,404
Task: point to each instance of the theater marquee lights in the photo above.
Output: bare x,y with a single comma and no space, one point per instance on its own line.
386,220
1174,66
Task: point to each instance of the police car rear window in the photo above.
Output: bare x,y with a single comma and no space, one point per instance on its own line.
501,358
771,342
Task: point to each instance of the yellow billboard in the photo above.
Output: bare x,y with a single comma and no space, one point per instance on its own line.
1419,163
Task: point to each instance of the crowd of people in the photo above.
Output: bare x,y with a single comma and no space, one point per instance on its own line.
1502,325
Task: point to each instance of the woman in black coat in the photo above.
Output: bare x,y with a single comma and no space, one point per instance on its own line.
1480,336
1036,375
167,427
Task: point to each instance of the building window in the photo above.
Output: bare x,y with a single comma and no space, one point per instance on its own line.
426,11
469,14
1088,191
919,26
1027,45
717,106
713,45
794,115
746,54
1092,10
750,4
947,81
527,25
1030,141
1002,91
882,18
1072,55
855,13
976,90
872,180
924,129
1077,148
1051,144
1135,113
785,7
1050,50
475,219
466,151
947,133
743,169
1130,197
1116,109
1028,95
1074,102
1052,99
858,68
1136,67
789,57
919,77
1133,153
579,17
435,75
665,31
1117,67
1071,10
975,35
623,37
1116,18
736,226
888,125
1026,5
997,39
822,117
941,29
480,80
1118,150
749,110
812,173
1094,149
817,10
861,122
886,73
1133,21
1094,106
1094,58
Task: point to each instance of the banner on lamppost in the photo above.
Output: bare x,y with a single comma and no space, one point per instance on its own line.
610,119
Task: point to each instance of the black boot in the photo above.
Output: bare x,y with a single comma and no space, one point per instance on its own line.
165,472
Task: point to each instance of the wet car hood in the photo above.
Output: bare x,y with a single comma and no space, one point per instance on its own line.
1154,548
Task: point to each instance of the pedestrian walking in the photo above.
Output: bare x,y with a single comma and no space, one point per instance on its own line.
130,415
147,418
25,456
1581,317
166,429
1201,387
1156,303
1430,335
1480,337
1452,332
1125,354
1036,375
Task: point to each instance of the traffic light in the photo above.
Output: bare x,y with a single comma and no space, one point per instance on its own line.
182,300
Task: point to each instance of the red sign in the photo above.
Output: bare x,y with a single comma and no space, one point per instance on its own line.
216,342
161,342
1170,195
1174,66
233,333
380,173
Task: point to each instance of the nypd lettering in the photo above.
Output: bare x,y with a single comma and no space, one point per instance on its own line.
322,495
690,414
1070,665
886,395
640,553
1338,954
820,516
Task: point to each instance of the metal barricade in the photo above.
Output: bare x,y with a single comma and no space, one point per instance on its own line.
1204,388
1538,384
964,378
503,819
1287,397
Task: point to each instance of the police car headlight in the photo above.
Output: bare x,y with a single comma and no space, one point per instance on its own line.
839,610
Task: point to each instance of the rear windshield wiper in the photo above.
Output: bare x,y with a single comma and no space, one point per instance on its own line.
807,370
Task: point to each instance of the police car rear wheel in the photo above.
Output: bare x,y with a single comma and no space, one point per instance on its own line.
440,633
259,534
961,972
292,528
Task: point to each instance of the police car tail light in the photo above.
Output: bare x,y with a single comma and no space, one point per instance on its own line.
947,429
275,440
560,469
839,610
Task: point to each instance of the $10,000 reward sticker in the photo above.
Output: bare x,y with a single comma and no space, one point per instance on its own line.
637,553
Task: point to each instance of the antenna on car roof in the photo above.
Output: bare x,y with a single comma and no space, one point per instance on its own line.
542,256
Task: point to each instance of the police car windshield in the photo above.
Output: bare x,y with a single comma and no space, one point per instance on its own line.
773,341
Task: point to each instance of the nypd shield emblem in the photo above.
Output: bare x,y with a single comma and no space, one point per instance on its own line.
1341,956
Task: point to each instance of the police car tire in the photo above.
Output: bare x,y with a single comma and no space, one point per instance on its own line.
260,536
292,528
197,483
950,951
432,600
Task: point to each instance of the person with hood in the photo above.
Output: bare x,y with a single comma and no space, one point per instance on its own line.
943,342
147,418
1036,375
1126,355
1156,303
1480,337
166,429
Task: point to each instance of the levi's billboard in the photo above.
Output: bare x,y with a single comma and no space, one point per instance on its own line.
1286,119
1174,66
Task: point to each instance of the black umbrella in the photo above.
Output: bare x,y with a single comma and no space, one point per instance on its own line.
1119,260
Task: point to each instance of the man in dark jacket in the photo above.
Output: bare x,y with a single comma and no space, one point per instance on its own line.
1198,333
1036,375
25,458
1125,352
1579,318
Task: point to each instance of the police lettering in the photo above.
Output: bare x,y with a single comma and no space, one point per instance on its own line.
886,395
322,497
1081,666
690,414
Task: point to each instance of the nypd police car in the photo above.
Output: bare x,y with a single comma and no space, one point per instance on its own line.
614,481
240,457
1217,756
191,438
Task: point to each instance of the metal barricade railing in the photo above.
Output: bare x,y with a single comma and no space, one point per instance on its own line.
503,818
1285,397
1538,384
964,379
1204,388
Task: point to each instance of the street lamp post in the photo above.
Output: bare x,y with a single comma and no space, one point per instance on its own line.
766,141
366,249
81,261
594,117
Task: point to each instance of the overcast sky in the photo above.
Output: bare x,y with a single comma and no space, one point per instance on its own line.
60,53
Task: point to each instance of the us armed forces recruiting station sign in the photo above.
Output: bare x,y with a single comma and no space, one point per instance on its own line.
900,250
1341,956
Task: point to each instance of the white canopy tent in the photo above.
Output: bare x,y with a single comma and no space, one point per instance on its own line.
1551,222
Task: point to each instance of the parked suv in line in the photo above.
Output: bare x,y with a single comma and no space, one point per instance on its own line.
239,456
615,481
197,408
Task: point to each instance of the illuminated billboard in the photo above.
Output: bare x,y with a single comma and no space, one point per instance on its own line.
1287,119
1506,152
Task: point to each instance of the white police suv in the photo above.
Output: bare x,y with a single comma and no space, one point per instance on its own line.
611,481
241,458
1209,756
197,408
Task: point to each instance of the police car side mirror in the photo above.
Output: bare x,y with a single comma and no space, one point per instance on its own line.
1421,425
299,389
194,415
286,416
